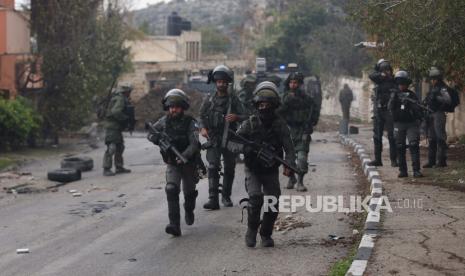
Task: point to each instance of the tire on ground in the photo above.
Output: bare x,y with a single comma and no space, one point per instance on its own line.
79,163
64,175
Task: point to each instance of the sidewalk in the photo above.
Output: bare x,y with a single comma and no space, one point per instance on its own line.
425,233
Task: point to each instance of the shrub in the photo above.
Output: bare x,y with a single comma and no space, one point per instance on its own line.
18,122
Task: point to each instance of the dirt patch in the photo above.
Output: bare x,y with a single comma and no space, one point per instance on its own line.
150,108
451,177
328,123
290,222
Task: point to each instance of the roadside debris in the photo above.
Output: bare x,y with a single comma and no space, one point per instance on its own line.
132,260
77,194
335,237
355,232
290,222
22,251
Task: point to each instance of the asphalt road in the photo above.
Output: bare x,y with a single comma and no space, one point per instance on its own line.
117,226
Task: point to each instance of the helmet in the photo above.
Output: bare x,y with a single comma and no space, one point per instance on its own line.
435,73
383,65
175,97
402,77
249,79
221,72
125,87
294,76
267,92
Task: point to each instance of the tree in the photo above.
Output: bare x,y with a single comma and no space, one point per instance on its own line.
81,53
417,34
317,38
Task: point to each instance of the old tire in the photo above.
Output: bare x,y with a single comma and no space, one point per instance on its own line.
64,175
78,163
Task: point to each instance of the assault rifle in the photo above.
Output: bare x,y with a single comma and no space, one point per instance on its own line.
265,152
164,142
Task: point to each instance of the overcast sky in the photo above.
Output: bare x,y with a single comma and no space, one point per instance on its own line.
133,4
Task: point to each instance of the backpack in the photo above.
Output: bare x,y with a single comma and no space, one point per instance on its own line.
454,100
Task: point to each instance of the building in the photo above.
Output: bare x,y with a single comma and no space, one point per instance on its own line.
185,47
14,47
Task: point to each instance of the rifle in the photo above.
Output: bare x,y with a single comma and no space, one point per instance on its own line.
164,142
264,152
103,104
424,107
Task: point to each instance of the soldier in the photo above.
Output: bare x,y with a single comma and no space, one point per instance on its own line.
297,110
246,94
182,132
346,96
437,100
117,119
262,178
382,118
218,113
406,112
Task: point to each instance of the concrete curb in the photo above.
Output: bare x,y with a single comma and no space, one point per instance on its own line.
372,223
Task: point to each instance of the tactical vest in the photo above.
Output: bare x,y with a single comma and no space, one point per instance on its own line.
404,111
299,110
178,130
272,136
383,93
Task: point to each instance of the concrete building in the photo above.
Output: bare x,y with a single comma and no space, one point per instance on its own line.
186,47
14,47
169,61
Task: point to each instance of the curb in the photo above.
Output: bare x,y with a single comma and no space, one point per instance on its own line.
372,223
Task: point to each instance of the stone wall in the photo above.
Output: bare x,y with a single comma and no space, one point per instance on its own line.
362,88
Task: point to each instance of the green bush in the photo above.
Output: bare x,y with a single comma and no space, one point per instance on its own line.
18,122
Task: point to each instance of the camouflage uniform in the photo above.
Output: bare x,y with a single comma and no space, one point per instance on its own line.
246,94
212,117
297,110
116,122
183,133
261,178
437,100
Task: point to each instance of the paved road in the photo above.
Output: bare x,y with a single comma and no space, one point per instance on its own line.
117,226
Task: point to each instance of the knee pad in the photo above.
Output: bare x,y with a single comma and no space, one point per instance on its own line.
255,201
172,191
111,148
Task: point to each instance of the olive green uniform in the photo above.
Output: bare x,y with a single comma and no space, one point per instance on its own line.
183,132
297,111
212,113
116,121
262,179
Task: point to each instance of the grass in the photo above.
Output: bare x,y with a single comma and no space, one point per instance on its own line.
340,267
6,162
451,177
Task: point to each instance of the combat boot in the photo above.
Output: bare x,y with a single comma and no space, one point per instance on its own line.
401,149
432,149
174,226
108,172
266,229
226,191
442,155
377,162
300,184
122,170
292,181
189,206
213,202
393,153
415,154
254,208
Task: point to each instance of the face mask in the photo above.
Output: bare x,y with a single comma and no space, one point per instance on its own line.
266,113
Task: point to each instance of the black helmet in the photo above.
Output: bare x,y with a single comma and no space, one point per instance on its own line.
221,72
176,97
383,65
267,92
402,77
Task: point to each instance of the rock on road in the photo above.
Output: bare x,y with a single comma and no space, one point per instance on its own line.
117,226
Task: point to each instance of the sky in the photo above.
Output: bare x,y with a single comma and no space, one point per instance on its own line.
133,4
